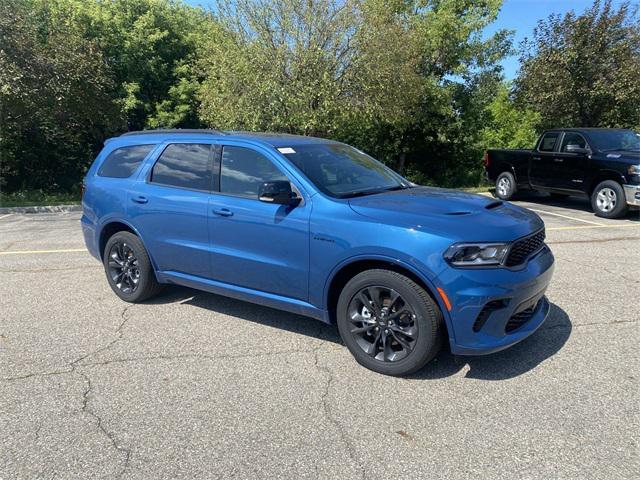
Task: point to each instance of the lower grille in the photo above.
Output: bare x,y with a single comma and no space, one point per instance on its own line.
485,312
522,249
520,318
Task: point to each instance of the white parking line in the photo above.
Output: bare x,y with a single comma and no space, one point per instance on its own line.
35,252
5,216
568,217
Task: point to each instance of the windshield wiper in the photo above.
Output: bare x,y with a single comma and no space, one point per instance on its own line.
363,193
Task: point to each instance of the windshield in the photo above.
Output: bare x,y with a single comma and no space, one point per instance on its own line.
342,171
610,140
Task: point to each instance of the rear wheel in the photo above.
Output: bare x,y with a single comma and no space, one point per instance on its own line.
388,322
608,200
128,268
506,187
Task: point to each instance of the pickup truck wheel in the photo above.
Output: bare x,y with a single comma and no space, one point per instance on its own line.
506,187
388,322
608,200
128,268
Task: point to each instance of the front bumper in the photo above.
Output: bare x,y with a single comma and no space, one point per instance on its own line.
493,309
632,194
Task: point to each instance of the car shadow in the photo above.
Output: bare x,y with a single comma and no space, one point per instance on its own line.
574,203
509,363
515,361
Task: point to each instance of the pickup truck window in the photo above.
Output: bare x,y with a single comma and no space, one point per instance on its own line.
548,141
572,138
611,140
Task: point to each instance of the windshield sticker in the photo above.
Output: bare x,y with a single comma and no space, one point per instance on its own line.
286,150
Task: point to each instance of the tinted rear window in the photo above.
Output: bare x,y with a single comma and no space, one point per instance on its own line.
549,141
184,165
122,162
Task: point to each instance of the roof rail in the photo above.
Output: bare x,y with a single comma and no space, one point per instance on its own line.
160,131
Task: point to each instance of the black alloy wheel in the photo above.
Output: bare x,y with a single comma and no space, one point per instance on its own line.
129,269
389,323
383,323
123,267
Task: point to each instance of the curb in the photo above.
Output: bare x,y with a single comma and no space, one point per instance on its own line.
42,209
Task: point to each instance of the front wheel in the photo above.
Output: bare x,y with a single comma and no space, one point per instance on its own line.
506,187
608,200
388,322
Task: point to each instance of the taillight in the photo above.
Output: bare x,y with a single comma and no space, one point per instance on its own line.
487,161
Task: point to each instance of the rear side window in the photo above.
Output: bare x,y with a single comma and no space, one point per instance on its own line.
184,165
548,141
244,170
122,162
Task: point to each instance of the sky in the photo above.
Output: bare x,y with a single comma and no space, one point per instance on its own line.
518,15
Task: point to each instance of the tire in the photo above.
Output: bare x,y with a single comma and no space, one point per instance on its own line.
506,187
413,318
608,200
125,251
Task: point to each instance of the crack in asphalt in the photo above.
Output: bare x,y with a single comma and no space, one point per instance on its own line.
327,413
74,365
85,409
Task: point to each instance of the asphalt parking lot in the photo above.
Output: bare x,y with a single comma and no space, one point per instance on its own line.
193,385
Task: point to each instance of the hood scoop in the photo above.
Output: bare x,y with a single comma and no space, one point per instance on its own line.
492,205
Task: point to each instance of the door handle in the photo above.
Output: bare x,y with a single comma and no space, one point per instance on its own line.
223,212
537,158
140,199
559,160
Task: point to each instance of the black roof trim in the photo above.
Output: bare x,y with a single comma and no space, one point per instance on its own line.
160,131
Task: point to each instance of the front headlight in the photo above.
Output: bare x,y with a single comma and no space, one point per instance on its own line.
634,169
476,254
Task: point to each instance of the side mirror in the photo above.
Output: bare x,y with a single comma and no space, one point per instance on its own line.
278,192
576,149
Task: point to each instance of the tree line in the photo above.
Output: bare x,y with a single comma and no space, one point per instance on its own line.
417,84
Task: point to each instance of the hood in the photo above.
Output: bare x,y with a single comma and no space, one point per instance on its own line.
449,213
630,157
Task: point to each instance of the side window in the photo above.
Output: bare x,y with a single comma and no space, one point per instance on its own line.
571,138
122,162
244,170
548,141
184,165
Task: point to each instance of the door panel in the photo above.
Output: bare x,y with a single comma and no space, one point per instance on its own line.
257,245
543,166
571,168
173,223
260,245
170,207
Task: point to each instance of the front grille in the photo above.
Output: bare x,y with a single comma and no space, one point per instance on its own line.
524,248
520,318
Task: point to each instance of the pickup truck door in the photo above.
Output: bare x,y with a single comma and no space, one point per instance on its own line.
543,170
571,167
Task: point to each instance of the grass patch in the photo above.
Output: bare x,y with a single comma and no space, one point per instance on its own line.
33,198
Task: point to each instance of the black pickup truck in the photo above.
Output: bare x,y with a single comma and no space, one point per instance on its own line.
601,163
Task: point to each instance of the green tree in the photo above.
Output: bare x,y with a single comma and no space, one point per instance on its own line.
387,76
55,107
584,70
507,125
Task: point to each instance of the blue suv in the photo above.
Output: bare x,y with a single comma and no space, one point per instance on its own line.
321,229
